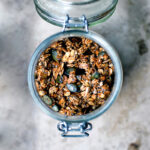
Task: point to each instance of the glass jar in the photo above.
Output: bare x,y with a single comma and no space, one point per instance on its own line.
49,10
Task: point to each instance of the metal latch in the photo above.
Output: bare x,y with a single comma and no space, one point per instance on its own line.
76,22
79,129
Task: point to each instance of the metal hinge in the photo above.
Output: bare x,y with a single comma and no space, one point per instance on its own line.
74,22
79,129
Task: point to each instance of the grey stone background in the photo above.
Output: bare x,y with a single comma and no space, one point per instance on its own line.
125,126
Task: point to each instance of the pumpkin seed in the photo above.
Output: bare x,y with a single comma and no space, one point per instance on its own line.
55,108
102,53
54,55
95,75
68,70
59,79
47,100
72,87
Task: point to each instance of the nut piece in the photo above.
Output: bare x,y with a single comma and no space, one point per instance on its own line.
53,89
67,93
84,66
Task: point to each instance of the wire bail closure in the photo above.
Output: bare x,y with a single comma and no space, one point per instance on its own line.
74,22
81,128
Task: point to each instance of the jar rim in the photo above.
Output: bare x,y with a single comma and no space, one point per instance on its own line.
117,82
76,2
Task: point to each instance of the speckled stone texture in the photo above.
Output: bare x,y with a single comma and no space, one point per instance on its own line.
125,126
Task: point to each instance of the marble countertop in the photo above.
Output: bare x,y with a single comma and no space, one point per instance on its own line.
125,126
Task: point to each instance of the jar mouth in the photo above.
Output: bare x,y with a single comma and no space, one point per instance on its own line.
117,81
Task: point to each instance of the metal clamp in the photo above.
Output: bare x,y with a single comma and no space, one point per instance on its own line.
82,128
74,22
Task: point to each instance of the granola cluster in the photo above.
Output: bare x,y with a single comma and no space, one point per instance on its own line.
74,76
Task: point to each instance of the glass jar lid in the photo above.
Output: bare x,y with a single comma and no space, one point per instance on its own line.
55,11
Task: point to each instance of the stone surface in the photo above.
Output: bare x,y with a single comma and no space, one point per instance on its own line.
125,126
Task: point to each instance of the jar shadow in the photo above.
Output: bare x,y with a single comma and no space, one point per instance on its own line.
124,30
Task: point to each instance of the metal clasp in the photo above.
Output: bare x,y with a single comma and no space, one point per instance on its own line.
81,128
74,22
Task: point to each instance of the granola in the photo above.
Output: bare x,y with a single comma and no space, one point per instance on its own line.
74,76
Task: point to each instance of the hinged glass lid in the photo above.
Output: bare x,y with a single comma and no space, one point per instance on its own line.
55,11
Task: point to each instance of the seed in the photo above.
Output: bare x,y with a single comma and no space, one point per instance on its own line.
55,108
72,87
47,100
95,75
59,79
102,53
54,55
69,70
